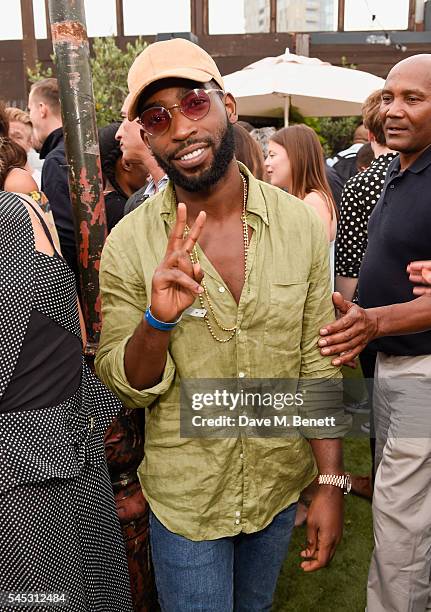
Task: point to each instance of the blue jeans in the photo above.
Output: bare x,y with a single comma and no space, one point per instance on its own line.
235,573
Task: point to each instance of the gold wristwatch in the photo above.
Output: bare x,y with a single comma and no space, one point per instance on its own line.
344,481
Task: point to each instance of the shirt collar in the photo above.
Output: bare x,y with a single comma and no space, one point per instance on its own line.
52,140
422,162
255,200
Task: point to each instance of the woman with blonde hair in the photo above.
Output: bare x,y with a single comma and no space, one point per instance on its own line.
295,162
21,132
15,177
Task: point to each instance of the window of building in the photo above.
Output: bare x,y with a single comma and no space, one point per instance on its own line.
10,22
388,15
40,26
307,15
244,16
163,16
99,23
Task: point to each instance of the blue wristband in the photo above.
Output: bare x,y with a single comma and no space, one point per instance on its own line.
160,325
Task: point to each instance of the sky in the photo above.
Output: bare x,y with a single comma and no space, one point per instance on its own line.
174,16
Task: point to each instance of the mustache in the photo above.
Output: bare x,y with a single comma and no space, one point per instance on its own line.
189,143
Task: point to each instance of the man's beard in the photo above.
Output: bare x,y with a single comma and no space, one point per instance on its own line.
223,155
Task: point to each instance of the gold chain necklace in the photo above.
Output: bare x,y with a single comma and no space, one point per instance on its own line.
195,259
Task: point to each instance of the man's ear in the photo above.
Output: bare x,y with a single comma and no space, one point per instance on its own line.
230,105
145,139
43,110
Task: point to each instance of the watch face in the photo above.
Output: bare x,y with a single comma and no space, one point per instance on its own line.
348,482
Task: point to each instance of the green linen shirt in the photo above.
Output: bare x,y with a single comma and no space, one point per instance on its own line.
210,488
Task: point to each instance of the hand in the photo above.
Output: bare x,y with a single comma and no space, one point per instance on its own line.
420,274
324,527
176,281
350,334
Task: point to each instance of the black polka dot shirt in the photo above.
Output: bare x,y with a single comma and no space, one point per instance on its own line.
360,195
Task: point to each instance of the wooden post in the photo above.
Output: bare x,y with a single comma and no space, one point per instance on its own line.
48,23
273,16
29,44
205,17
412,15
341,7
72,59
196,18
120,17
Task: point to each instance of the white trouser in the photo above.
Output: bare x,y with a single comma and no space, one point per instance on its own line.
400,573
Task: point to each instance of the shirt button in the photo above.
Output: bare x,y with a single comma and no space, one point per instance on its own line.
241,456
237,522
221,289
237,513
241,374
392,187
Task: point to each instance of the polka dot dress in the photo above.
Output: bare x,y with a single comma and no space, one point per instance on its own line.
360,195
59,530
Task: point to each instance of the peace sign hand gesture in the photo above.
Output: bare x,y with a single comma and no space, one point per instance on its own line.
176,281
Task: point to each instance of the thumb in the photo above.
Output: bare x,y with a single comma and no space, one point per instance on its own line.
426,275
340,303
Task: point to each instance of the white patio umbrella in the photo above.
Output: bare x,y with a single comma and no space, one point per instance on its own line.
268,87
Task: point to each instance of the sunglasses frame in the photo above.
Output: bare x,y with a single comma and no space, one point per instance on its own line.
168,110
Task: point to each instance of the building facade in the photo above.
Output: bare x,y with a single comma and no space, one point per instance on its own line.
292,15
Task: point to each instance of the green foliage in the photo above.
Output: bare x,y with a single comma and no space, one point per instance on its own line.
39,72
337,132
109,67
346,64
313,122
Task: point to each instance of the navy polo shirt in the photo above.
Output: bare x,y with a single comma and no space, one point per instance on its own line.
399,231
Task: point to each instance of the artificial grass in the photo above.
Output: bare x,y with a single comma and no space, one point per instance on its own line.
341,586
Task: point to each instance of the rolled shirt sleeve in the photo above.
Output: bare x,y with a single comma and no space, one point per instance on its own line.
320,383
124,301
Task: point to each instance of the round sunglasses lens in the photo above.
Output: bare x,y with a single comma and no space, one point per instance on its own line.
195,104
155,120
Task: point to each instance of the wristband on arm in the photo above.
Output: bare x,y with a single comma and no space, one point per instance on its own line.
160,325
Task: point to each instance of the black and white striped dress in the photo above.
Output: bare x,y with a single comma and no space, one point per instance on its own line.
59,531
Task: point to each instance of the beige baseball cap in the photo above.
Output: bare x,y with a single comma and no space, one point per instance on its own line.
176,57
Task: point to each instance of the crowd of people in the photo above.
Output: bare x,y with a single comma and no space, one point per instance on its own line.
225,246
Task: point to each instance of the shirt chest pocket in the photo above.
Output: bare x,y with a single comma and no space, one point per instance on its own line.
283,327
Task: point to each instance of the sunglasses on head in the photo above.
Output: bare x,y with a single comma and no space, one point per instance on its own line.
195,105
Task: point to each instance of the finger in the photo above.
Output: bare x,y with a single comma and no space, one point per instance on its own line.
421,291
325,553
350,336
340,303
341,324
342,348
418,265
426,274
417,278
310,551
347,357
195,231
176,236
198,273
352,364
178,259
173,276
